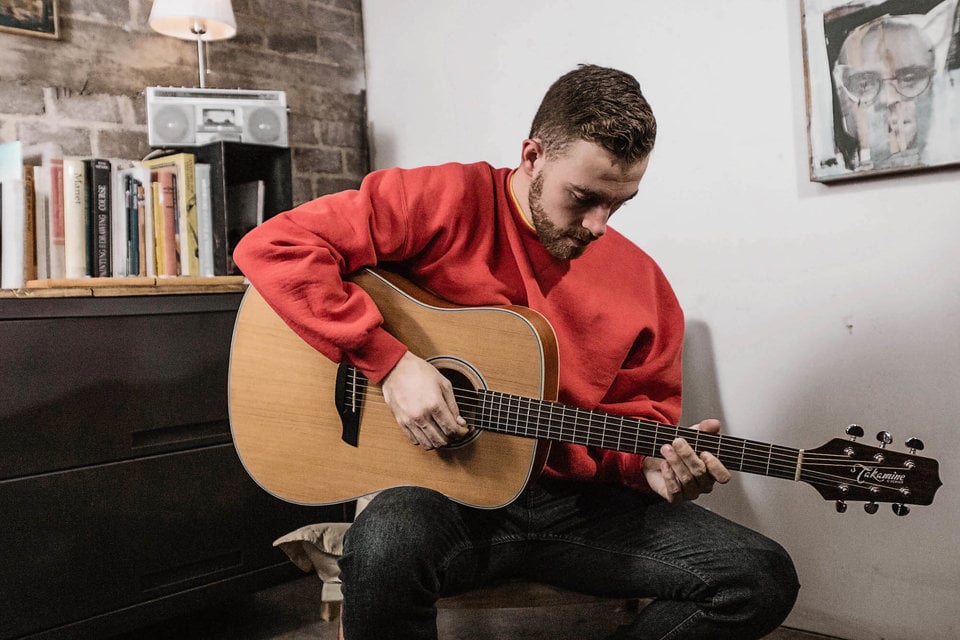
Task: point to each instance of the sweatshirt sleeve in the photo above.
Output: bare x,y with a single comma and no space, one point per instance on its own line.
296,261
648,386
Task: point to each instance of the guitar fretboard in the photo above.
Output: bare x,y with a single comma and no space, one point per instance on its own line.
531,418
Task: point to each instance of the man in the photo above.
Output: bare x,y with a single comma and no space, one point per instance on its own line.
883,78
596,521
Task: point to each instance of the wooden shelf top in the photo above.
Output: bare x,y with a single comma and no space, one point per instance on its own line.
118,287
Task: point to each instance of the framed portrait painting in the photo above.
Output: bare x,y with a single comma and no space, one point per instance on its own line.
883,86
30,17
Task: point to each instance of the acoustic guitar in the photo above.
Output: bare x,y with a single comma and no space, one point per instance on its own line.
315,432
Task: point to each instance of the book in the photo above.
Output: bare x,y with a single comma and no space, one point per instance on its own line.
167,264
119,220
74,218
57,246
29,225
12,220
41,190
204,220
183,165
134,228
12,216
100,224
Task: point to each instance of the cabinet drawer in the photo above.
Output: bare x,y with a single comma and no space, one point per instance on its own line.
91,389
81,543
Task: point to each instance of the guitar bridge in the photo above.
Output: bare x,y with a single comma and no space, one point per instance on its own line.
348,396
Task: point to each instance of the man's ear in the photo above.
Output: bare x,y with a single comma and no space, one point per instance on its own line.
531,155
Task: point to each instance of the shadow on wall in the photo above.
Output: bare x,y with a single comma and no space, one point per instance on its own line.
701,400
701,390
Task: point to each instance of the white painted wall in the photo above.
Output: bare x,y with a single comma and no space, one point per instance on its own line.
809,307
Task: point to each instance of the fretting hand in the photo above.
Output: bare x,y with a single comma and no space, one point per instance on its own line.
683,474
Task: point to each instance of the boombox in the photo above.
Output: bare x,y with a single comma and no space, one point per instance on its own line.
193,117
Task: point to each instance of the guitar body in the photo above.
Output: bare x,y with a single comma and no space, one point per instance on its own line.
286,426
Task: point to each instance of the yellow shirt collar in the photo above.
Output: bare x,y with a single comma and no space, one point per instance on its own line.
516,202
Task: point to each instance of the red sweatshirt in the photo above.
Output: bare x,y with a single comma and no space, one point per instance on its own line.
458,232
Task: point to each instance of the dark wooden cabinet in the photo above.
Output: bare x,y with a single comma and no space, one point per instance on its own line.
122,500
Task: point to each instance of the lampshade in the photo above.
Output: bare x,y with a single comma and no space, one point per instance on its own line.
193,19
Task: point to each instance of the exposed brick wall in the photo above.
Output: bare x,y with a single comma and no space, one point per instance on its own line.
85,90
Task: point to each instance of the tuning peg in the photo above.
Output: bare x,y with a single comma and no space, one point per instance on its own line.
871,507
855,431
915,444
884,438
841,506
900,509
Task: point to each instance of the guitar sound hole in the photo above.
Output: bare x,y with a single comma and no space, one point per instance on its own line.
467,401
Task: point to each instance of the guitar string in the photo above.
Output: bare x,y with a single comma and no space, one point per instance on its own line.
785,465
813,477
749,450
640,441
784,462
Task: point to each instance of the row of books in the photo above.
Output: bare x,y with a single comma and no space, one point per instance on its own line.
66,217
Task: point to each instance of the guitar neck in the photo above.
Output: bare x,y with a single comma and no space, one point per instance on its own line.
531,418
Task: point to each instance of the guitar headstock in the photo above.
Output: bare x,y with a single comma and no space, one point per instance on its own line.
845,470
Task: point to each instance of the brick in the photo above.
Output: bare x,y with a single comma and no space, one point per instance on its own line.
109,11
330,184
74,141
302,128
307,160
327,20
122,143
347,53
91,108
301,42
355,162
302,190
343,134
20,98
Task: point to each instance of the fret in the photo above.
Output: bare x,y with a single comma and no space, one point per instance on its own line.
511,417
537,421
576,423
501,422
523,411
550,421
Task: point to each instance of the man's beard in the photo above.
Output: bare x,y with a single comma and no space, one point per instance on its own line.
559,242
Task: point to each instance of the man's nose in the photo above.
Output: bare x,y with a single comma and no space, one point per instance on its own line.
595,221
888,92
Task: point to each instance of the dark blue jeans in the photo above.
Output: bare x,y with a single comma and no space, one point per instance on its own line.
709,577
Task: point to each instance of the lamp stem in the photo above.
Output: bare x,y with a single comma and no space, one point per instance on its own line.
199,29
200,62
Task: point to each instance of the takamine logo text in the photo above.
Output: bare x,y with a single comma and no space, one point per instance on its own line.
872,474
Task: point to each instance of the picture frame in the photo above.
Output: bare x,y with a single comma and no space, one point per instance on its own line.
30,17
882,80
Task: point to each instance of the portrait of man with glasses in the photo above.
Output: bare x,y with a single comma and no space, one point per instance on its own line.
884,96
883,82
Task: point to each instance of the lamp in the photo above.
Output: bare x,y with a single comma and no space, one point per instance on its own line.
199,20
